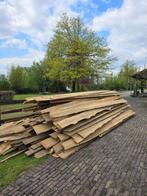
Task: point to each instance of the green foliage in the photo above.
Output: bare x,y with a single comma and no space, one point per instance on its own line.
10,169
36,77
29,79
17,78
75,52
128,69
4,83
57,86
123,80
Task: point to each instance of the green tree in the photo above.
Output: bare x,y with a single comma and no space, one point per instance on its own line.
122,80
75,52
17,78
4,83
127,70
37,79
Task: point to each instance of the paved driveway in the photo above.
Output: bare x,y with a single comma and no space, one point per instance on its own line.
112,165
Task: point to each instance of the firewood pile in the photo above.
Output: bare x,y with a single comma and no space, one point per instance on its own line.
63,123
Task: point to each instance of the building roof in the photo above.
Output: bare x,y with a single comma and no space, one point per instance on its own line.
140,75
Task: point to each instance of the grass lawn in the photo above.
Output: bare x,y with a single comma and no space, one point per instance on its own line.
11,168
23,96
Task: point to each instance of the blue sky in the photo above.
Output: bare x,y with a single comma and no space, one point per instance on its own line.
26,27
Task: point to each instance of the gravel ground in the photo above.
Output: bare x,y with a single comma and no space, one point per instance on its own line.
113,165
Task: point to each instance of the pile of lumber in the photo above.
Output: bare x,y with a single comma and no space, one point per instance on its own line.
65,124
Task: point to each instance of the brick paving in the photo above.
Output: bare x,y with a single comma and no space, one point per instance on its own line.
112,165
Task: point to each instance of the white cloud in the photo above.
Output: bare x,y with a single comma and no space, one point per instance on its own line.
35,18
11,42
128,29
6,63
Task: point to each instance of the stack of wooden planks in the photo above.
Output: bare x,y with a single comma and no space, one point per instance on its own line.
65,124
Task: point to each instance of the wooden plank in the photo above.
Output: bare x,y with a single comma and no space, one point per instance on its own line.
55,155
49,142
5,146
84,107
77,138
8,130
34,146
70,143
54,135
9,150
111,125
40,154
46,117
15,137
35,138
16,116
69,95
13,155
67,153
75,103
78,117
51,150
121,119
42,128
106,117
86,132
62,137
71,130
58,148
31,151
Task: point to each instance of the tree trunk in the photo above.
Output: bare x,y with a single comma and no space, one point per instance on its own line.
78,85
73,86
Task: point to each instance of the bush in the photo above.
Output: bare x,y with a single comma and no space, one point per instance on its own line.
26,91
57,86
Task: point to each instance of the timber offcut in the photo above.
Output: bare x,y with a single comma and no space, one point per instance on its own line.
63,123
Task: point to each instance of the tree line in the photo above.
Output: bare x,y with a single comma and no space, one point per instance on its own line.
76,59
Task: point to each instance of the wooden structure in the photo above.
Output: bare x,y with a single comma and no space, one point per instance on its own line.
142,77
64,123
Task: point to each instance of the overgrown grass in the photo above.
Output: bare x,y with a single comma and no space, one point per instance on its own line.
11,168
24,96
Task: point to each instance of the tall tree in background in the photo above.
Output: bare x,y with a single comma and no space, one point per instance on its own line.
75,52
127,70
122,80
37,79
4,83
17,78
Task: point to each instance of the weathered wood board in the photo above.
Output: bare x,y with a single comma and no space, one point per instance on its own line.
63,124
